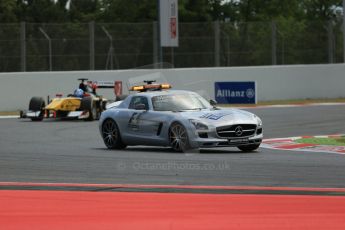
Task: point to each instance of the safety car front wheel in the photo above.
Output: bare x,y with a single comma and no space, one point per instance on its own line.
178,138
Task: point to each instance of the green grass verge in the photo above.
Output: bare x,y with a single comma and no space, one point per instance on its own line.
340,141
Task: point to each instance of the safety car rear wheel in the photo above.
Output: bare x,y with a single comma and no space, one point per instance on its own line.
248,148
37,104
178,138
111,135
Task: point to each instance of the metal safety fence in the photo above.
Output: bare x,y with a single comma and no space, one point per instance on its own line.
104,46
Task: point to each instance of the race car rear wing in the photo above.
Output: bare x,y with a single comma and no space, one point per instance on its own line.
116,85
103,84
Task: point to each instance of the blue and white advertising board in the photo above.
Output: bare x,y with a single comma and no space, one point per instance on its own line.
235,92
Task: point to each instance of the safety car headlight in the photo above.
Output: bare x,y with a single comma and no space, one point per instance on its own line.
258,120
199,125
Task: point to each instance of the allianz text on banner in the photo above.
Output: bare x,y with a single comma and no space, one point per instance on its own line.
235,92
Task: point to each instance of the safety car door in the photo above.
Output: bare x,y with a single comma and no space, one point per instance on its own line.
143,121
136,110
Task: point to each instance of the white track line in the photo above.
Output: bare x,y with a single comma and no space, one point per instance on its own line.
9,117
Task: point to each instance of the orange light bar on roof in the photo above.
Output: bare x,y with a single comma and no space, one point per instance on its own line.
165,86
137,88
155,86
142,88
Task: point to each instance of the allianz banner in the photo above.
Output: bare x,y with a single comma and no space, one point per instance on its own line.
235,92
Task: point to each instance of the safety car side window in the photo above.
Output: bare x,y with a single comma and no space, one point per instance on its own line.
138,100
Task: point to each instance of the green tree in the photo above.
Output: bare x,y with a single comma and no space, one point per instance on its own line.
128,11
194,11
323,10
263,10
42,11
84,11
8,11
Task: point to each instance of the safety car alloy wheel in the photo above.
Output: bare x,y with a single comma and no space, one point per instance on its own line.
178,138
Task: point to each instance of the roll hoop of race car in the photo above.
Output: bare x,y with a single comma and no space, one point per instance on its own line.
84,104
183,120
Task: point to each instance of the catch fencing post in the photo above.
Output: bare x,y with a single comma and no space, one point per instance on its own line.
274,42
330,42
92,44
23,46
155,41
50,47
216,44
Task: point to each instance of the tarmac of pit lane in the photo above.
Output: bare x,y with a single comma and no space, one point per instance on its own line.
73,152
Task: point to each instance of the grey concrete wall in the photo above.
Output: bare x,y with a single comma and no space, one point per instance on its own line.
273,82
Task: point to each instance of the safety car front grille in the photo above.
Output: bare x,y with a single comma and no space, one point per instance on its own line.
239,130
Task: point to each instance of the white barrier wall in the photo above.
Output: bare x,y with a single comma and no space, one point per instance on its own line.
273,82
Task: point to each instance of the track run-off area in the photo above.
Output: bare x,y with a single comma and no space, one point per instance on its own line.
58,174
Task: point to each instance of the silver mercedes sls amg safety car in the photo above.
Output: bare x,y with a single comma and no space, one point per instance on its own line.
183,120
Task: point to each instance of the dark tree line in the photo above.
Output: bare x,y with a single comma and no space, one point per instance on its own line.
110,11
305,31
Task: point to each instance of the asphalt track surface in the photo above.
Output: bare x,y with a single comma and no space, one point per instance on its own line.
76,183
73,152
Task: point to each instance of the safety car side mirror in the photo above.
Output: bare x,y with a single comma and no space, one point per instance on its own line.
140,107
213,102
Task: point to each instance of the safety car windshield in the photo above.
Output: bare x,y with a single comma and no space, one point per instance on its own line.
179,102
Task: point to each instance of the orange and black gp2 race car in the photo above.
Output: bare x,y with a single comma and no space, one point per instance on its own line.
83,104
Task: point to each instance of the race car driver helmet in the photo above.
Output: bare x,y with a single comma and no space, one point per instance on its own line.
78,93
82,86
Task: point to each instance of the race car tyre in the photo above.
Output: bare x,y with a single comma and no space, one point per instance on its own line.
87,104
104,105
94,115
111,135
178,138
37,104
248,148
